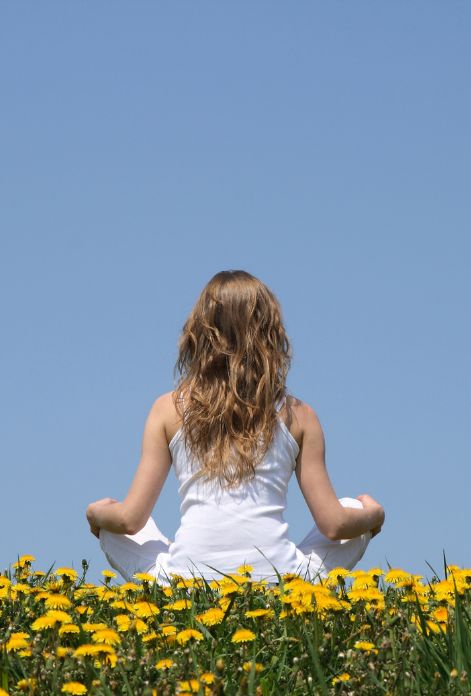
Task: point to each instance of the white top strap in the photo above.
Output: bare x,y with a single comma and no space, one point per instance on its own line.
280,403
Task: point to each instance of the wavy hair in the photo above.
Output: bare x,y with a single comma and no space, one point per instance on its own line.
233,359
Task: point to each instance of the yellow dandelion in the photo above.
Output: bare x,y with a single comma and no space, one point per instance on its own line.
188,634
396,575
108,573
230,588
106,635
67,572
210,617
338,572
440,614
169,630
166,663
29,684
243,635
74,687
207,678
145,577
61,616
93,649
3,692
145,609
68,628
87,650
62,651
256,613
365,646
106,593
179,605
57,601
23,560
123,621
224,603
17,641
43,622
90,627
257,666
375,571
130,587
344,677
245,568
191,686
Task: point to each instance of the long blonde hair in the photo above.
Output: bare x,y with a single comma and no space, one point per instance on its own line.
234,356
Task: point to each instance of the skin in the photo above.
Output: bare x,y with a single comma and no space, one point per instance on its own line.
162,423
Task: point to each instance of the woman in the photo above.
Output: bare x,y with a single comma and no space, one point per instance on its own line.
234,437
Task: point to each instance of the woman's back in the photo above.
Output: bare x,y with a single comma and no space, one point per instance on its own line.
222,527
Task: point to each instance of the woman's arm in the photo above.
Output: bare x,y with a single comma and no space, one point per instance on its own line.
333,520
129,516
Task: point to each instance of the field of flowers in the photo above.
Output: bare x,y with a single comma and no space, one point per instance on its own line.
355,632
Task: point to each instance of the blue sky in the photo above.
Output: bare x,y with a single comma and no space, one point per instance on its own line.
323,147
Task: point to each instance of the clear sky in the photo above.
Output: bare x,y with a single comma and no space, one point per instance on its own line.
323,147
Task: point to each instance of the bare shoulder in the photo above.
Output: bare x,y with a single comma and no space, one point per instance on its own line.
302,420
164,412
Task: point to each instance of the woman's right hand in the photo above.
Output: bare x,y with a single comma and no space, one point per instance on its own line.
376,509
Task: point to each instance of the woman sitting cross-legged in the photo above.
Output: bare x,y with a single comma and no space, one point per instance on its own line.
234,436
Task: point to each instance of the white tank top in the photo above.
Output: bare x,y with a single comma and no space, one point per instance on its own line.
222,528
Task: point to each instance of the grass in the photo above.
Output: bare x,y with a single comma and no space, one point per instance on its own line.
355,632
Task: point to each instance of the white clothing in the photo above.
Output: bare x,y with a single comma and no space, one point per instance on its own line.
221,529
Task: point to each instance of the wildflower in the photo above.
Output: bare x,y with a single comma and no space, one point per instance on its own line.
245,568
169,630
344,677
108,573
123,621
440,614
179,605
243,635
3,692
29,685
365,646
166,663
207,678
62,651
94,626
255,613
57,601
398,575
338,572
145,577
68,628
17,641
190,686
130,587
145,609
88,650
43,622
67,572
247,666
210,617
61,616
106,635
22,561
185,635
74,687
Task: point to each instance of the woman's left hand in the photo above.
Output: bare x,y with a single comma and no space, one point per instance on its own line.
95,530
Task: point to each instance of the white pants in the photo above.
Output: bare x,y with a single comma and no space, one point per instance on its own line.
137,553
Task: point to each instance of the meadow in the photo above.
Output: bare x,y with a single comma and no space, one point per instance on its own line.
355,632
